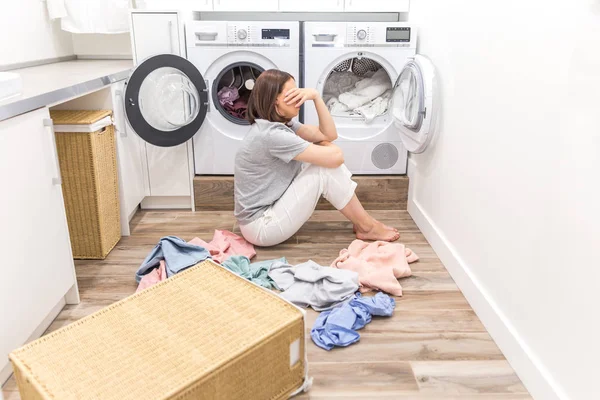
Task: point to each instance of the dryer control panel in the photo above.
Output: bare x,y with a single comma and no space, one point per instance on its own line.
242,34
380,34
360,34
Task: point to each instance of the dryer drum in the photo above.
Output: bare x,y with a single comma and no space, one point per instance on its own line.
360,66
345,65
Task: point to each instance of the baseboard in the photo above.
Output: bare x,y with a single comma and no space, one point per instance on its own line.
6,370
534,375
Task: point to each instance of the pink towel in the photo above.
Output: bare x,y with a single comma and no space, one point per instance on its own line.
155,276
379,264
225,244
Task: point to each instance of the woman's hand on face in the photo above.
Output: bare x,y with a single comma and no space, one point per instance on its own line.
299,96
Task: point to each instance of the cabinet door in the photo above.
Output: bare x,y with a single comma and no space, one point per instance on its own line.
377,6
245,5
37,265
311,5
193,5
155,33
168,169
130,148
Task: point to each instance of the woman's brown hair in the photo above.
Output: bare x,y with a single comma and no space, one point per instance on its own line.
261,104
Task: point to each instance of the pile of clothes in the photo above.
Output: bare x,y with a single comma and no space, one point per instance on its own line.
234,89
367,95
231,101
335,290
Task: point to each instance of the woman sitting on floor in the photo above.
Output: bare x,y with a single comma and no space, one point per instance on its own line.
283,167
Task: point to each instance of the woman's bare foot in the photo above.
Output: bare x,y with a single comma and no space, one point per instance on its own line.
355,229
378,231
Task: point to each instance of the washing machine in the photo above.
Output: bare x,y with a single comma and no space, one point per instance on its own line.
171,99
378,90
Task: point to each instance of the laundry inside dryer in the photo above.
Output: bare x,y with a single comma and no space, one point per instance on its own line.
358,87
233,87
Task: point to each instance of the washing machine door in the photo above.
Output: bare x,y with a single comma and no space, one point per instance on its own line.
413,104
166,100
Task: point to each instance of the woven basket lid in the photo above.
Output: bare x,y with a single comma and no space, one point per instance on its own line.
78,117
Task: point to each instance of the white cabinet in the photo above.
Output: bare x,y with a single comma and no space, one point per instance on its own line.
37,266
169,169
245,5
377,6
154,33
311,5
191,5
131,154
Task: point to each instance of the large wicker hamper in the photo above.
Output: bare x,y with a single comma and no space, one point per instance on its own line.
88,166
205,333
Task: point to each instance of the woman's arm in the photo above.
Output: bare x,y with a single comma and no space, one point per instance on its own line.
324,154
326,129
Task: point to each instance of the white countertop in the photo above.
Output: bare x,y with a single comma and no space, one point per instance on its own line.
51,84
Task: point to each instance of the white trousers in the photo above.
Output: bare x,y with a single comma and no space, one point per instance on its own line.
287,215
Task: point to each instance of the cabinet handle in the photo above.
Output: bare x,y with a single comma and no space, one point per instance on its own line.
48,123
121,105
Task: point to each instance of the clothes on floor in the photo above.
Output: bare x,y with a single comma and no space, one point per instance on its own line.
294,207
255,272
173,255
153,277
177,254
369,95
225,244
265,167
379,264
310,284
338,326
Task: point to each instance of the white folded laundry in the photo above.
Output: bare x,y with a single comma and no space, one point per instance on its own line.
96,16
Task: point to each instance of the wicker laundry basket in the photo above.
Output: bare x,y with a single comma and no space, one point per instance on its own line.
88,166
205,333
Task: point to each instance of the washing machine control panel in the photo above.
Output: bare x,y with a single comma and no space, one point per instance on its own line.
263,35
379,34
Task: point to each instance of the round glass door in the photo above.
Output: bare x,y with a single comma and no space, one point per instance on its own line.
413,105
166,100
408,98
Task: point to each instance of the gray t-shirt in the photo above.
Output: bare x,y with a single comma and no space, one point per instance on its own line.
264,167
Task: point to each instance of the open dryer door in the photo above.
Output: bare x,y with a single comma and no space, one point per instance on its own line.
166,100
413,104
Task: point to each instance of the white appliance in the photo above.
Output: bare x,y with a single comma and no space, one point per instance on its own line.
346,53
170,99
220,50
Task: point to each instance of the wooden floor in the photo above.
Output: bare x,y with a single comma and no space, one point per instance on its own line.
433,347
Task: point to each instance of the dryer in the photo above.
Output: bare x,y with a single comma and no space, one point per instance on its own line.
170,99
376,88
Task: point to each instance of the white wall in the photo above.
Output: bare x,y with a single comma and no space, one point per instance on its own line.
509,193
98,46
26,34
